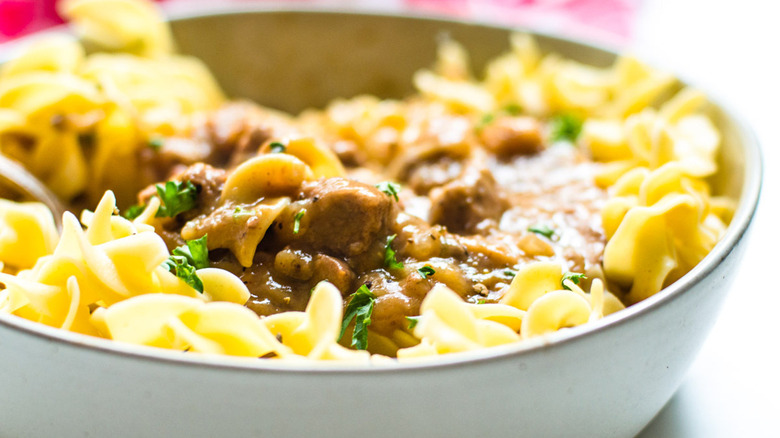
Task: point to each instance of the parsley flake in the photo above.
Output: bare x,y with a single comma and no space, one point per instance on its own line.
390,189
484,121
513,109
196,252
575,278
543,230
297,223
181,267
176,197
359,308
426,271
277,148
156,143
133,211
240,213
390,261
413,320
565,127
510,273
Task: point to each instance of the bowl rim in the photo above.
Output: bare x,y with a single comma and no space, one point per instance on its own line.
736,231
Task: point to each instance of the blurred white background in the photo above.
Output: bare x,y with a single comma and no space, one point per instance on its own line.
730,48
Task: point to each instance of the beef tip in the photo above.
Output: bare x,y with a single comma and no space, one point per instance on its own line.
464,204
335,271
510,136
343,217
237,130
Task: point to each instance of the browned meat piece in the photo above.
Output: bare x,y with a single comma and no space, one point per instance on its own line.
510,136
343,217
350,154
465,203
335,271
237,131
225,138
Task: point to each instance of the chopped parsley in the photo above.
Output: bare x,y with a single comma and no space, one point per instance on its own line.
359,308
196,252
297,223
390,189
156,143
575,278
176,197
510,273
565,127
133,211
513,109
484,121
413,320
390,261
482,301
240,213
186,259
543,230
426,271
277,148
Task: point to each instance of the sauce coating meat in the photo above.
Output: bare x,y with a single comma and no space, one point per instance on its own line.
474,204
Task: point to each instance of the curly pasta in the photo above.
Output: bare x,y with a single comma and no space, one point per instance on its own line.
648,147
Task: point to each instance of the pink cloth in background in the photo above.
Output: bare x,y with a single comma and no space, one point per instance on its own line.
609,21
21,17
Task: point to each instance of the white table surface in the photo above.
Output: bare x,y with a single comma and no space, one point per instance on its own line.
732,49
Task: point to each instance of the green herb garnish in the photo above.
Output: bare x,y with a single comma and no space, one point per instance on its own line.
133,211
543,230
565,127
390,261
156,143
510,273
575,278
277,148
297,223
481,301
513,109
413,320
390,189
176,197
359,308
196,252
484,121
426,271
240,213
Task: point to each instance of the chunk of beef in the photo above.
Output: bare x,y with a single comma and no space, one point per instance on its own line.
237,130
464,204
344,217
510,136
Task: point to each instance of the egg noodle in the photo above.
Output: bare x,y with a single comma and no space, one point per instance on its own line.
105,275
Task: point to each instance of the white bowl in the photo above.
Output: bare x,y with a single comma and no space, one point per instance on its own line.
604,379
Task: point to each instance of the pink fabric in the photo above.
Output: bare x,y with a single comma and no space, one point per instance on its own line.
606,20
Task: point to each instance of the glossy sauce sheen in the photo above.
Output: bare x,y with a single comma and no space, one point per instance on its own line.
465,212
